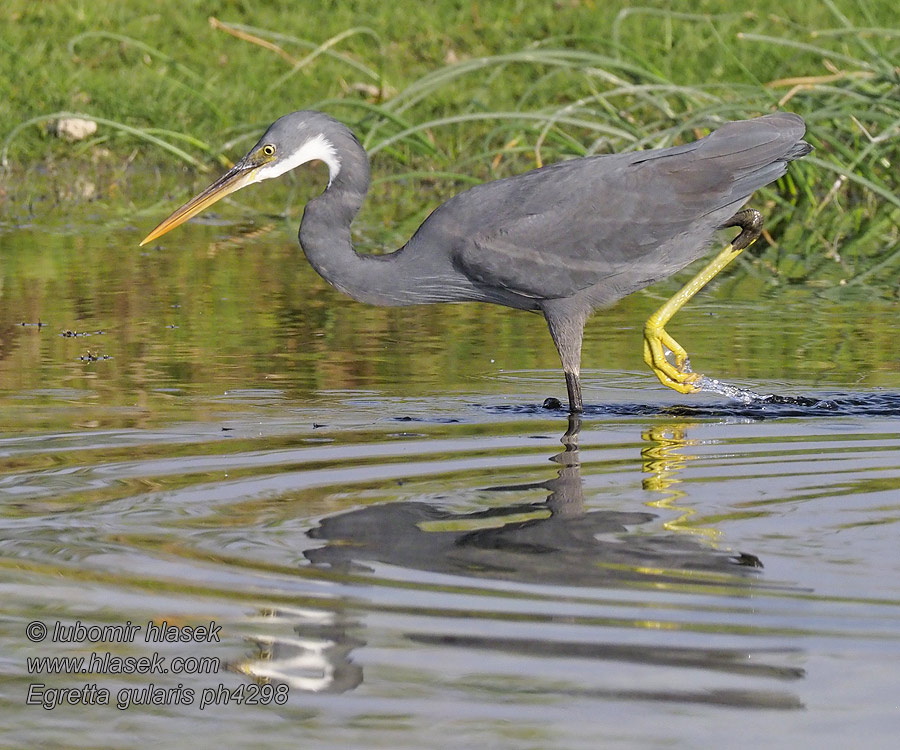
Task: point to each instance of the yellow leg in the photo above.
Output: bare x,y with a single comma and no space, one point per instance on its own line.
656,339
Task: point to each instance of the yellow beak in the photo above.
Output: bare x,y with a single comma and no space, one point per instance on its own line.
237,177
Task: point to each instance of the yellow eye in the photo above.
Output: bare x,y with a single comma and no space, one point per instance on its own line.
268,149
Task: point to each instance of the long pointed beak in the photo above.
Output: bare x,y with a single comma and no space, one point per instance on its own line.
237,177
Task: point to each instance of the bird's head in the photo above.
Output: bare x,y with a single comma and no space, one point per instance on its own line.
290,141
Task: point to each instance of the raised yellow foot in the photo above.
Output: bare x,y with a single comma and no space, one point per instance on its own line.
656,340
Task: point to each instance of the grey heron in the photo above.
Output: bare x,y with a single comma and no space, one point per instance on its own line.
563,239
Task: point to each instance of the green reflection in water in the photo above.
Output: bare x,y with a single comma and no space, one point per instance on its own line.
219,308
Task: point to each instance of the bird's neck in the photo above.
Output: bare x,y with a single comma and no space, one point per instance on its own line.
403,277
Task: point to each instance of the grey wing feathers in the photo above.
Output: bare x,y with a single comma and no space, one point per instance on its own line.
741,157
554,231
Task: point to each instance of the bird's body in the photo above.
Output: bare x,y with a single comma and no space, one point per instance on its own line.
563,239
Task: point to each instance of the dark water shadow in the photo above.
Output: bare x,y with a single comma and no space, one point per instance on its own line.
771,406
558,541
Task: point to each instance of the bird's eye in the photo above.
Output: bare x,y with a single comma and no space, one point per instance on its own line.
268,149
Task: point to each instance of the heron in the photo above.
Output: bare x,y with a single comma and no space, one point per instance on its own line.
563,239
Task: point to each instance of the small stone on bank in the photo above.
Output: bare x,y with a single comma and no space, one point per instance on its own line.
73,128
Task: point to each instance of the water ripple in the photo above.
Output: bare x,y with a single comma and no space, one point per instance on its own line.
673,558
769,406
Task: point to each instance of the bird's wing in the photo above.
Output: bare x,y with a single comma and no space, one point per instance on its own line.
571,231
635,217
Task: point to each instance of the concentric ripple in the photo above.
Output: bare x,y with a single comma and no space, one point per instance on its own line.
490,572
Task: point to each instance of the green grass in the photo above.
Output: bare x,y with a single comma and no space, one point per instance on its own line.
446,93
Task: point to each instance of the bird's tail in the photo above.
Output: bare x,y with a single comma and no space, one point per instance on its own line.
798,151
756,152
774,137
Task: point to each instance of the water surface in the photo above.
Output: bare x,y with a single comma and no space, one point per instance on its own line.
382,518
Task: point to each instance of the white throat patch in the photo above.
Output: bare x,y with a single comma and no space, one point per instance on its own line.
318,148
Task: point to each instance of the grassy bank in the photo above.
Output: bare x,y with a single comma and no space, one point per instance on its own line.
447,93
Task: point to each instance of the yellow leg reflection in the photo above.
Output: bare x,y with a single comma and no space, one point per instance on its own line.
663,460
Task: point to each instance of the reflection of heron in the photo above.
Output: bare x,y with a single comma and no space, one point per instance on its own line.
562,542
314,658
663,460
562,240
556,540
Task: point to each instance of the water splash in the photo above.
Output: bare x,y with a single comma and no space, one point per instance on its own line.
746,396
